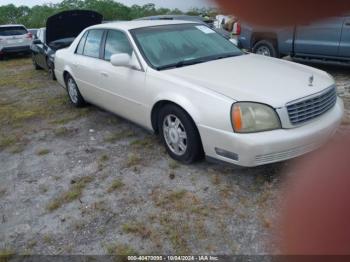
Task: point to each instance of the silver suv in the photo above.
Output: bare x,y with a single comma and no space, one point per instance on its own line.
14,39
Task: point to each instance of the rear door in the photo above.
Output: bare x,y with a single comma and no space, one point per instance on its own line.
344,48
319,38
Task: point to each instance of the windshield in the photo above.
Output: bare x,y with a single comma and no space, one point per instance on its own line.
12,30
179,45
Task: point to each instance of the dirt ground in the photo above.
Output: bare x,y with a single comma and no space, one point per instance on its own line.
84,181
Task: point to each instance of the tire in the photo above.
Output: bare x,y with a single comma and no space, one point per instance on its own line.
186,150
73,92
36,66
266,48
51,73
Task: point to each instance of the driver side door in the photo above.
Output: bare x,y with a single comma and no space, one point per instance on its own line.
123,87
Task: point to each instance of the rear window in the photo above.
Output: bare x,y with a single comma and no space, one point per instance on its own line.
13,30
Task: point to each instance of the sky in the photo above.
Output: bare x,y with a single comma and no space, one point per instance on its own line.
181,4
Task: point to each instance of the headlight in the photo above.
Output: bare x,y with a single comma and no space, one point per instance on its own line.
52,56
253,117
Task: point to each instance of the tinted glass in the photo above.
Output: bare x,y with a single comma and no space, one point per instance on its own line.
80,48
171,44
13,30
116,43
93,42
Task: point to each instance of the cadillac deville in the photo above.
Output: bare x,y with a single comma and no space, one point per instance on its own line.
200,93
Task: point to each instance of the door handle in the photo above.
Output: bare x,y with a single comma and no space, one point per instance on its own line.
347,23
104,74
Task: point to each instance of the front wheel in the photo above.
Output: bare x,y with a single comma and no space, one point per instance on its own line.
51,71
179,134
265,48
73,92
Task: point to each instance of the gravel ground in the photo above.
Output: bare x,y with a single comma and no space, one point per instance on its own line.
83,181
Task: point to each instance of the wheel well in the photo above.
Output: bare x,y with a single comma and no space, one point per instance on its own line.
65,74
155,111
256,37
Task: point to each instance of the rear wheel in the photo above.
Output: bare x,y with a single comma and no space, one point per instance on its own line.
179,134
265,48
35,64
73,92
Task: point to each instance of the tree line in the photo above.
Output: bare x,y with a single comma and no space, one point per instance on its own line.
35,17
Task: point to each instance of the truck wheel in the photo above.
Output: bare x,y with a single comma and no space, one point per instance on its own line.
266,48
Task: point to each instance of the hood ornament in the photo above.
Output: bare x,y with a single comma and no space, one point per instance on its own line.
311,80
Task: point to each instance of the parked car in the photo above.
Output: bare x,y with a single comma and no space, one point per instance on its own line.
198,19
326,40
176,79
34,32
61,30
14,39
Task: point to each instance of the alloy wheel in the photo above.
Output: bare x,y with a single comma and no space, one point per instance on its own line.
175,135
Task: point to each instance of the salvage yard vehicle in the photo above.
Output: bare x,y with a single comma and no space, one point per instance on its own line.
61,30
325,40
176,79
14,39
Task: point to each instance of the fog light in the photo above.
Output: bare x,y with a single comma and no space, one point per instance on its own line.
227,154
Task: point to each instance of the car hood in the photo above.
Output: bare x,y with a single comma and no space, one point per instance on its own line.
69,24
255,78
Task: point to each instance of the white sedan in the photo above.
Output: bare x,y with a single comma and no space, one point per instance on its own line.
203,95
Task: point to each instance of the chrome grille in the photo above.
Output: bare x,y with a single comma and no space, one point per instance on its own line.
312,107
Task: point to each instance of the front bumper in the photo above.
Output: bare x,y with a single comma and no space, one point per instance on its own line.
15,49
273,146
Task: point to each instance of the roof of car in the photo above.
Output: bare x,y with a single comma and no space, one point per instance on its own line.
128,25
11,25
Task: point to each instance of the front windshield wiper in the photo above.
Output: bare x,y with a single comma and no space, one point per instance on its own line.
197,61
182,63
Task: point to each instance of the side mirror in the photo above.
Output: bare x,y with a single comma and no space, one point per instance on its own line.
121,60
36,42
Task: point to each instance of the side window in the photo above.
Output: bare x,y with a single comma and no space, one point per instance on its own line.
80,48
92,44
116,42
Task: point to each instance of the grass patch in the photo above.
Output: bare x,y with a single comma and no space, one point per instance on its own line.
31,243
137,229
6,255
69,115
23,79
42,152
2,192
120,250
101,162
116,184
75,192
177,232
62,131
133,160
7,142
47,239
173,164
13,114
14,63
145,143
119,136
